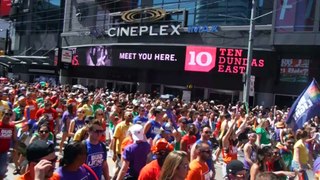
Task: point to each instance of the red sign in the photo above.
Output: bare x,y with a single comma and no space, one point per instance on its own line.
224,60
5,7
200,58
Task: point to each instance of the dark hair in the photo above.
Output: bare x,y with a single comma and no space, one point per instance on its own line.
200,145
301,134
204,126
71,152
94,122
261,156
43,124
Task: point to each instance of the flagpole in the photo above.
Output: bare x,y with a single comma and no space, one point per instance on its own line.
247,75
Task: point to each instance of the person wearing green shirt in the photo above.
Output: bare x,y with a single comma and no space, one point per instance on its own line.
43,133
263,138
286,150
98,103
181,132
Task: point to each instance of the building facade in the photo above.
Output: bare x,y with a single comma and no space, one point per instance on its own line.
197,47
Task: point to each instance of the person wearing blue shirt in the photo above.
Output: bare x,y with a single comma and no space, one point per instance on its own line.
141,118
96,151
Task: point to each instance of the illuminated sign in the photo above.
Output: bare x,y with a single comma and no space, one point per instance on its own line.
234,61
143,15
5,7
163,30
200,58
176,58
226,60
203,29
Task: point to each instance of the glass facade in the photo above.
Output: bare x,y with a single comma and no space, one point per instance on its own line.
43,17
218,12
46,16
292,15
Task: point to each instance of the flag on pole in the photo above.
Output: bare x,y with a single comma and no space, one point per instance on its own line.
305,107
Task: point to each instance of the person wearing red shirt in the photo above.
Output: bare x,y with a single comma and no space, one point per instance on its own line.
189,139
152,170
51,113
8,134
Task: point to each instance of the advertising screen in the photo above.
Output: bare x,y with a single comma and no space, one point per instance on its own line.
171,58
294,70
179,58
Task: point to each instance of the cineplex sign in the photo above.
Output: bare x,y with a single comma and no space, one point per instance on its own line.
187,58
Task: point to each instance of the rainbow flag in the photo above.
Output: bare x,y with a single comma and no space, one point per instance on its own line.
305,107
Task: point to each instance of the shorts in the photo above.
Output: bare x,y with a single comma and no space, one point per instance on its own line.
3,163
295,166
64,128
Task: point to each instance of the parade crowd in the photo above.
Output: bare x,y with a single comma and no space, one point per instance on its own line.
148,137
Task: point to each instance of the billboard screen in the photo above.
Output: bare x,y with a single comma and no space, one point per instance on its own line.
178,58
294,70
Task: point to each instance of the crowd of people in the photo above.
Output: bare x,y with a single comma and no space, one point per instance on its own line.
147,137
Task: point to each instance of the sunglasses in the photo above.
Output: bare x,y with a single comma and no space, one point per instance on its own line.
276,153
44,132
207,132
8,114
99,131
206,151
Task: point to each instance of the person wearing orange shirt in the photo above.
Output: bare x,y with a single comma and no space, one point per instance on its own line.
152,170
199,169
30,110
42,160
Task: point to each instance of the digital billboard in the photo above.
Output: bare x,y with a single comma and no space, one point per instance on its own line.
294,70
178,58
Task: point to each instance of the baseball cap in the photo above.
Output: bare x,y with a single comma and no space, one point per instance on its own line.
137,132
234,166
39,149
162,145
160,109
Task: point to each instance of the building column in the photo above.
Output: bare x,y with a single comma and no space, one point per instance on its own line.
161,89
206,93
63,77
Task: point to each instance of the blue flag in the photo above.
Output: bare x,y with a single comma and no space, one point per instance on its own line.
305,107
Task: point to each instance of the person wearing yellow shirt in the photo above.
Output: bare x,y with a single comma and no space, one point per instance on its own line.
120,134
300,153
86,106
4,105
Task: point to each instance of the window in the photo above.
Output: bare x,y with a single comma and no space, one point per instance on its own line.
295,16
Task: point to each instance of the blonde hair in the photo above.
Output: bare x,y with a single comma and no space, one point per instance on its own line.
171,164
263,122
